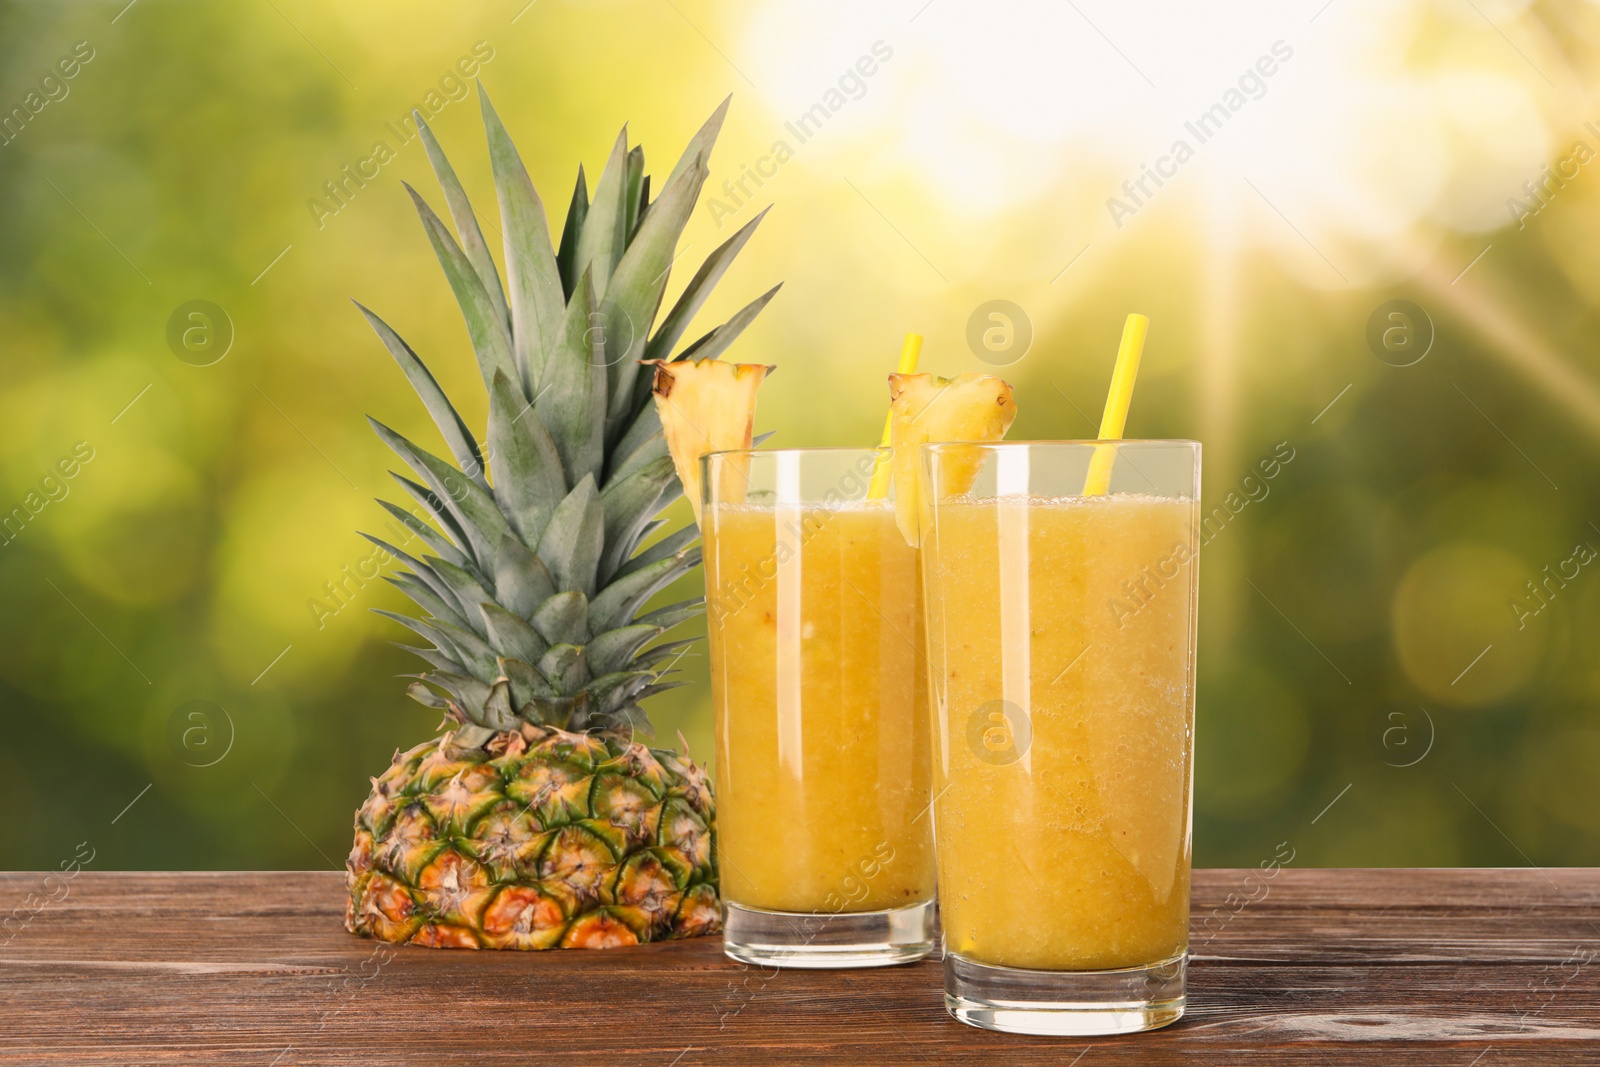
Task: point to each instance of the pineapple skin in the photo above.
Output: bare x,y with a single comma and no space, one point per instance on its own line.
541,839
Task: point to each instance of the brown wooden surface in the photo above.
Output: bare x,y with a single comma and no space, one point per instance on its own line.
1476,968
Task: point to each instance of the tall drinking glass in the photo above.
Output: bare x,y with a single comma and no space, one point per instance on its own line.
824,835
1061,646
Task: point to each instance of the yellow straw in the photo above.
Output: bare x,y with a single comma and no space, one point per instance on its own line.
1115,416
909,353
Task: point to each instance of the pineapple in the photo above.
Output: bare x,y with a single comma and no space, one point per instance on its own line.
536,821
922,408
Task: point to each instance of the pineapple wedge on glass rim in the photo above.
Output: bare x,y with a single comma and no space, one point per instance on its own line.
975,408
705,405
536,821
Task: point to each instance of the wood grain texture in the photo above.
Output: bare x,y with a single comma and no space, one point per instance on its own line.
1476,968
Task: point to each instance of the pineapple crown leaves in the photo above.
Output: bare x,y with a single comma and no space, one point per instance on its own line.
533,580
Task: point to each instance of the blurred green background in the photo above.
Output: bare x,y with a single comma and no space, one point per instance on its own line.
1370,689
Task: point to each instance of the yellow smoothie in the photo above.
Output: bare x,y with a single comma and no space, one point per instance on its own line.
820,693
1062,661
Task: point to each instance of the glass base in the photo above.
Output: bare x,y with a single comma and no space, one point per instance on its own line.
1064,1003
827,939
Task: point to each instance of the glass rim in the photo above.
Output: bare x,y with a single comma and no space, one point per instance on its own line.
934,445
799,451
1087,442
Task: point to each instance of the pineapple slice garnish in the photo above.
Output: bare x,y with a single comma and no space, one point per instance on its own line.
705,405
968,407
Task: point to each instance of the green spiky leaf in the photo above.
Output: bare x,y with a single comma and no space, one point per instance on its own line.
536,293
470,738
629,303
528,480
611,692
667,650
441,514
490,339
452,427
676,543
567,255
472,650
673,614
702,142
466,220
512,635
699,288
461,645
659,687
628,503
527,684
643,442
604,233
439,659
563,619
421,570
520,579
566,667
474,509
498,714
442,546
713,344
575,538
572,395
616,649
425,696
635,197
468,591
426,598
469,693
617,603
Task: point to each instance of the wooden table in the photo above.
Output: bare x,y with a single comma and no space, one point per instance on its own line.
1476,968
